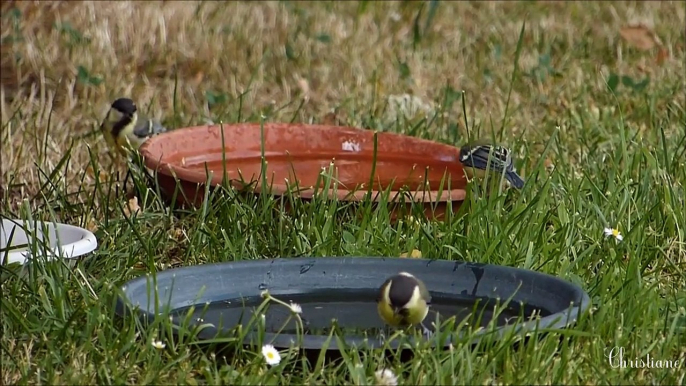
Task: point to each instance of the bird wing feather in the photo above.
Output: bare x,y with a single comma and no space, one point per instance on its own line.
146,127
480,158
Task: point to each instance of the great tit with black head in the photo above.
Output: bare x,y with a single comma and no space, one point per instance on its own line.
475,159
124,128
403,301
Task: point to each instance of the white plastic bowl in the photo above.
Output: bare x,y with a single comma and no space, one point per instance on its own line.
63,240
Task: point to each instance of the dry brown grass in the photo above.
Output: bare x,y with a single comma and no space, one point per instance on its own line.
138,48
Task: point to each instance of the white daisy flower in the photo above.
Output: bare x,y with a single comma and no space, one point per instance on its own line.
614,233
158,344
385,377
295,308
270,354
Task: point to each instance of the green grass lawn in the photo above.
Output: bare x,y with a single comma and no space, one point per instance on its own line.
598,126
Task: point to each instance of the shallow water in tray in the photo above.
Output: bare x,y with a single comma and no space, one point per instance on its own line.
352,310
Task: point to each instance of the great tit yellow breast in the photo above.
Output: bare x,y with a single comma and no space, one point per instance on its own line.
125,129
122,130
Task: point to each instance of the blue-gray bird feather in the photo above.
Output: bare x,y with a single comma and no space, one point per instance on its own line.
146,127
500,160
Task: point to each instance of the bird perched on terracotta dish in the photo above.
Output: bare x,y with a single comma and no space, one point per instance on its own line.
124,128
475,159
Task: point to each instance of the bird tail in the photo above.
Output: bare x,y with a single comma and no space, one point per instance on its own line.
514,179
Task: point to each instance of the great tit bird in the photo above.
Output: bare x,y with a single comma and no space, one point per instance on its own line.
475,159
403,301
124,128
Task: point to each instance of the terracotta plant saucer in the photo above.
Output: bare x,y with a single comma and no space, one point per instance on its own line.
299,158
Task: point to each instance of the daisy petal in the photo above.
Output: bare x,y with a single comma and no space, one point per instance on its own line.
158,344
385,377
295,308
271,355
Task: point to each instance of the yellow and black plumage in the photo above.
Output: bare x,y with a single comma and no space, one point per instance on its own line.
403,301
475,159
125,129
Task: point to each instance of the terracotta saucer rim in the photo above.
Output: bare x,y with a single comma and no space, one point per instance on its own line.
177,171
